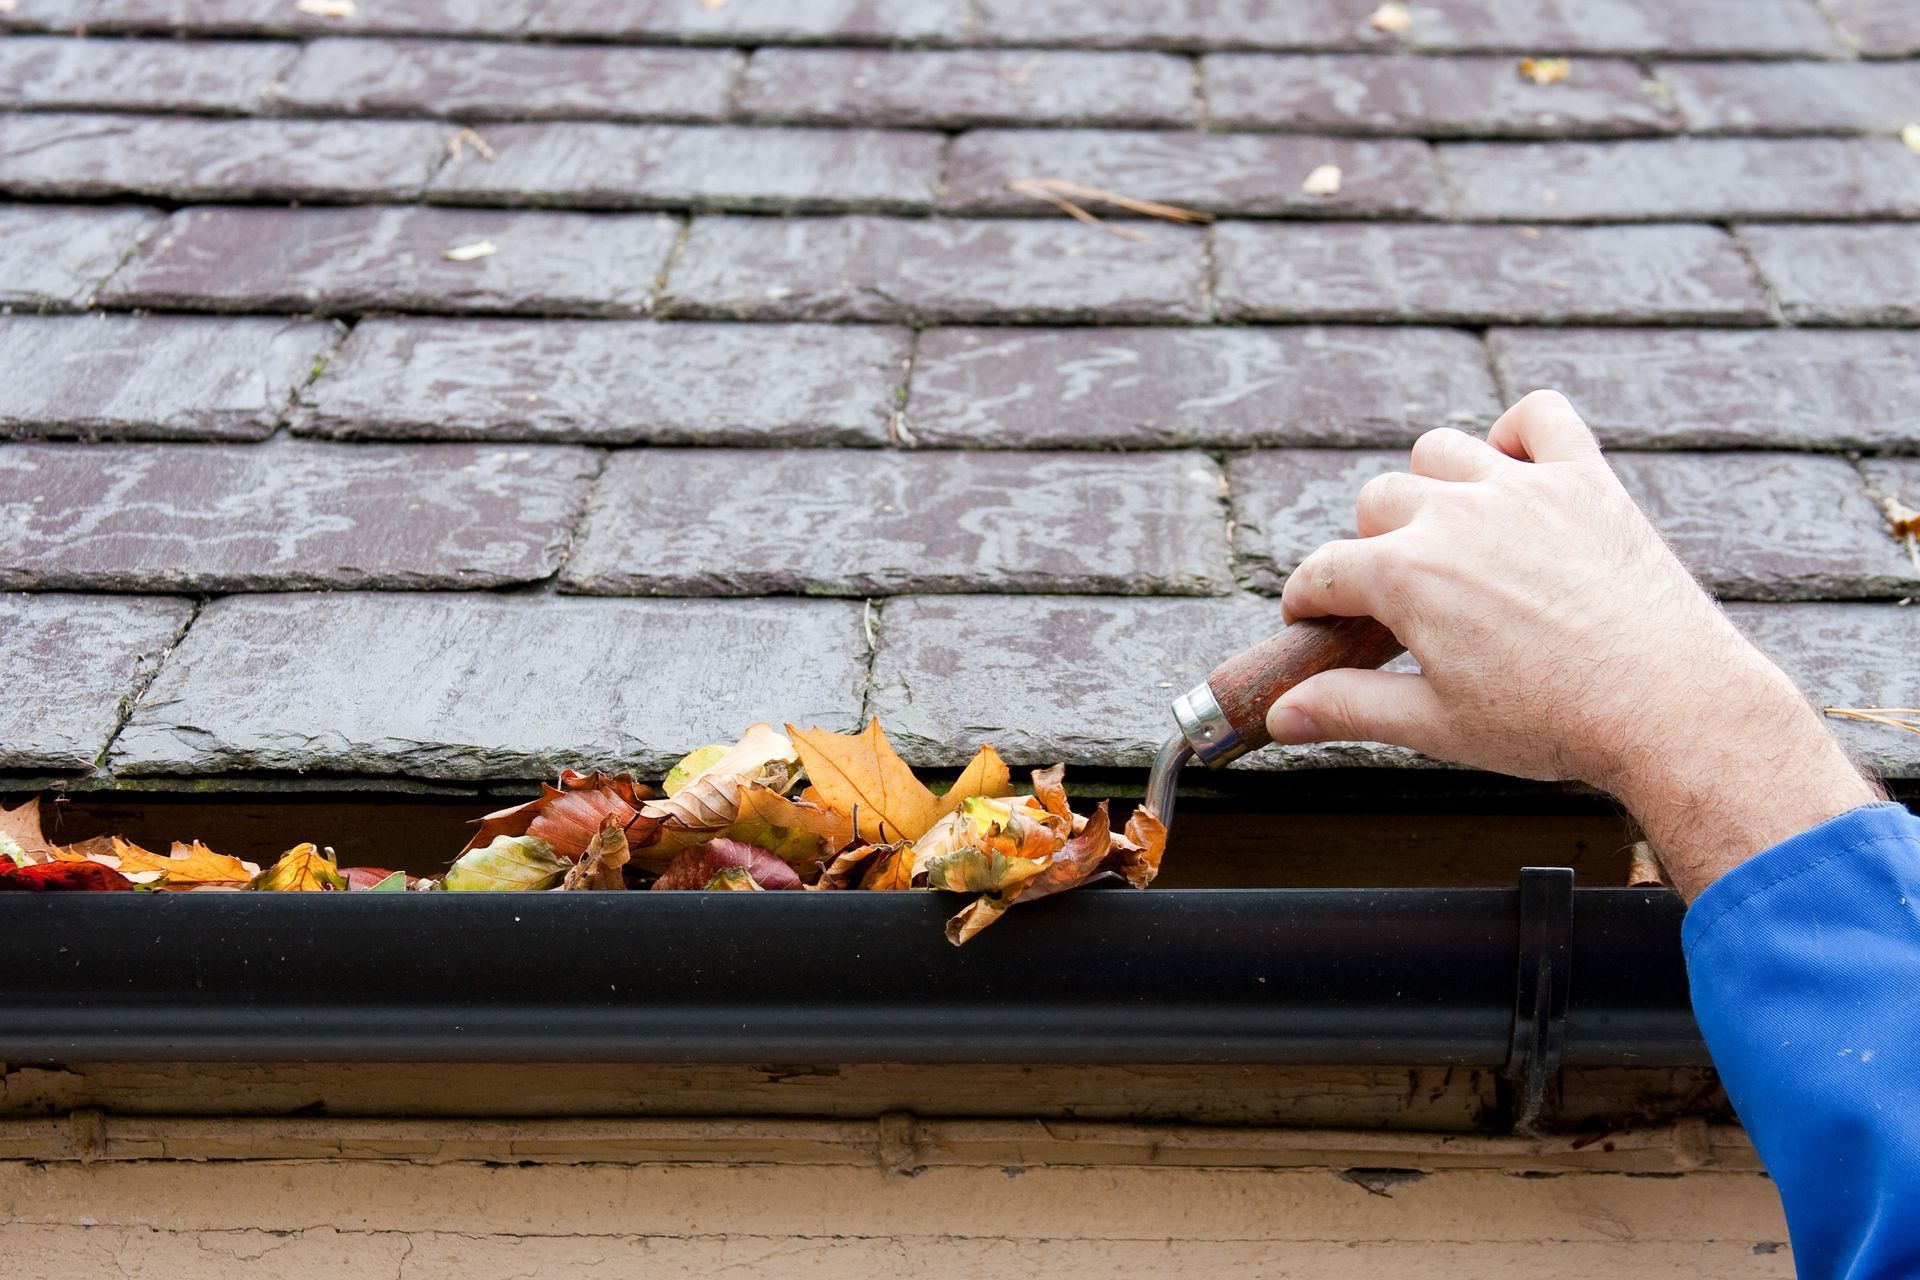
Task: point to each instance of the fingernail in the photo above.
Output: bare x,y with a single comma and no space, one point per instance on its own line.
1290,725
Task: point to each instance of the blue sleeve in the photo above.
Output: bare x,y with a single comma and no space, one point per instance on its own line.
1805,969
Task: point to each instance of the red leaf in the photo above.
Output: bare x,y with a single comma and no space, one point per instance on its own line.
569,816
61,875
696,868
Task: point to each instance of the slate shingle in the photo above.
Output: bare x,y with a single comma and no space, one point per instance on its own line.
1484,274
1764,28
1226,387
53,257
1701,178
598,166
1878,28
898,269
351,259
154,377
103,156
968,87
1794,97
1428,97
827,522
1751,526
477,687
1848,655
72,659
1726,388
1254,174
285,515
610,381
474,80
275,17
1838,274
139,75
788,22
1044,678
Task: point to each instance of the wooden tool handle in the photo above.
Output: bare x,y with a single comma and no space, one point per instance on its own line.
1246,684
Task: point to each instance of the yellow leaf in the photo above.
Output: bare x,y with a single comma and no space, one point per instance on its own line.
187,864
799,834
1910,135
893,872
691,766
1544,70
985,775
1050,790
302,869
762,754
859,774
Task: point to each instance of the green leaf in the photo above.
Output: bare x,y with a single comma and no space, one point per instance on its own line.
395,883
510,862
691,766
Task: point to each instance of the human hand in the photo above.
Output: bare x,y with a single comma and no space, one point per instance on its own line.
1559,638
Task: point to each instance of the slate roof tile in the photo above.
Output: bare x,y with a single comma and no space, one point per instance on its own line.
856,363
1751,526
1794,97
609,381
1700,178
1429,274
1867,274
54,257
1429,97
365,257
475,687
285,515
1214,387
139,75
155,377
172,158
614,166
473,80
1248,174
1726,388
1878,28
968,87
84,654
919,271
829,522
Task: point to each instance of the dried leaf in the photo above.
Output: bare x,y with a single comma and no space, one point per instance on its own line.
985,775
696,868
326,8
1141,847
187,865
1544,70
1392,17
21,826
1050,790
508,862
1643,868
894,870
800,834
568,817
973,869
1910,134
55,876
601,867
734,879
1323,181
305,868
469,252
860,775
1079,860
846,868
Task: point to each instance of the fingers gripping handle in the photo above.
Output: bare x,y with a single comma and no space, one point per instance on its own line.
1227,716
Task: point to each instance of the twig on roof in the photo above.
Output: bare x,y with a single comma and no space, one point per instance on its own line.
1907,718
1062,194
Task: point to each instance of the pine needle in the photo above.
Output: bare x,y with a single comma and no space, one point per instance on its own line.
1060,193
1907,718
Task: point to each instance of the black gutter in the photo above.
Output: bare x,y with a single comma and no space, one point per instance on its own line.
1359,976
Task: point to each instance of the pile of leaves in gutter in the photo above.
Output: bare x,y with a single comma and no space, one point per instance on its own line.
801,810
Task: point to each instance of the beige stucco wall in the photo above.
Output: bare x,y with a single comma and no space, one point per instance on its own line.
159,1173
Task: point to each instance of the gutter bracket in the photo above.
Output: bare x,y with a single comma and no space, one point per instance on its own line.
1544,980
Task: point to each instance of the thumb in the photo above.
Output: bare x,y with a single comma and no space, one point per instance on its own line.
1351,705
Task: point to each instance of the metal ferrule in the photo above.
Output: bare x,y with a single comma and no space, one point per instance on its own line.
1206,727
